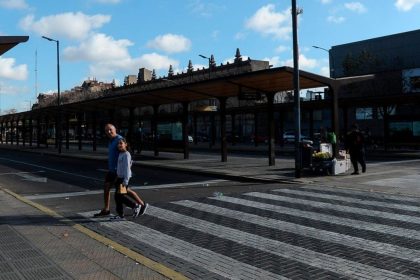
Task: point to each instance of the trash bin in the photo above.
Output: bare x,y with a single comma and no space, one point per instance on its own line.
306,153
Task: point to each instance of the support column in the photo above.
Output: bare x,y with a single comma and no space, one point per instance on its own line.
79,130
345,120
311,123
233,129
47,124
223,142
23,132
67,128
8,130
212,129
185,130
38,132
17,133
130,132
31,131
335,120
256,129
94,128
195,127
271,139
11,133
386,128
155,131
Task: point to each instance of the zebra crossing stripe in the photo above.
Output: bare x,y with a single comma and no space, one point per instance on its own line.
315,259
407,233
207,259
351,200
346,240
365,194
359,211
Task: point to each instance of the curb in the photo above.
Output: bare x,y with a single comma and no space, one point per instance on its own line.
155,266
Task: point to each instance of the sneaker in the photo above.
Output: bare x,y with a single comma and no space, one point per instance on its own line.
355,173
143,209
136,211
102,213
117,218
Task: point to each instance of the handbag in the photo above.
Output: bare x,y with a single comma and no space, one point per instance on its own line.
121,189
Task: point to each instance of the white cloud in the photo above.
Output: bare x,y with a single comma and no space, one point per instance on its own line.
170,43
406,5
281,49
336,19
203,9
326,1
355,7
9,70
156,61
107,56
13,4
325,71
99,47
304,62
69,25
240,36
271,23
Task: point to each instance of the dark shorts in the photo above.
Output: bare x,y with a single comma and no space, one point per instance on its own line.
110,177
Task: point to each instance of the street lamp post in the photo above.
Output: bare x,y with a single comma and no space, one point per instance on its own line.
296,86
58,92
330,60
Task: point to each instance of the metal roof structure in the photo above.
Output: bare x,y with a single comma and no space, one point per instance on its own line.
8,42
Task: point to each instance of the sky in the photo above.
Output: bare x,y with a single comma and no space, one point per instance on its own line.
107,40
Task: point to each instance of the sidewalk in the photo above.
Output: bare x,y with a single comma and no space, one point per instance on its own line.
39,244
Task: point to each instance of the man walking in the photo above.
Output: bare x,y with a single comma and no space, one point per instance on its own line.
111,175
355,145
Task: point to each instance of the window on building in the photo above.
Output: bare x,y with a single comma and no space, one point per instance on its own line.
364,113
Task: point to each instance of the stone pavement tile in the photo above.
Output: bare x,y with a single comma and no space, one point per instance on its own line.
137,272
80,267
101,275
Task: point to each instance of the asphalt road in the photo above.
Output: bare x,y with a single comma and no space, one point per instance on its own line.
70,185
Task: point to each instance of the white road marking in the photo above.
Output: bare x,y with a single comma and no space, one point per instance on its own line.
15,173
207,259
325,235
358,224
28,177
145,187
355,210
285,250
307,192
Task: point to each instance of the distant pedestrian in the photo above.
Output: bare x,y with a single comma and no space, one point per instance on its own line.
355,145
121,184
111,175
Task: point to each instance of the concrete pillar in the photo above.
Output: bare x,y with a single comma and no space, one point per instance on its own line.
271,124
233,129
223,142
79,130
94,128
154,130
186,148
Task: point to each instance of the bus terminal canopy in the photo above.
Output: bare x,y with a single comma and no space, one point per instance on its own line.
174,90
8,42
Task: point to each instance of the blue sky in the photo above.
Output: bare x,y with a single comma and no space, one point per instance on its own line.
109,39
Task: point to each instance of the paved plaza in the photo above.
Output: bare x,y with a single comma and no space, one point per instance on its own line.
316,227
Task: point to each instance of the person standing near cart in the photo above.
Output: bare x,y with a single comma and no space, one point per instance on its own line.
355,144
